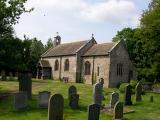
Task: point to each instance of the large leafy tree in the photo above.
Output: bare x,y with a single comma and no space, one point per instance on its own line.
150,25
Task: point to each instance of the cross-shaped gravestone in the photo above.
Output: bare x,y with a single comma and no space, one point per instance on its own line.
93,112
56,105
97,93
118,111
128,94
138,92
114,99
20,101
43,99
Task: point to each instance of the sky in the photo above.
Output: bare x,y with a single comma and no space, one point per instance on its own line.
77,20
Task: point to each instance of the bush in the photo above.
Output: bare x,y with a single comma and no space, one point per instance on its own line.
122,87
133,83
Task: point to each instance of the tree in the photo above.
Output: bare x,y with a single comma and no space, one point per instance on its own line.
36,50
150,25
49,44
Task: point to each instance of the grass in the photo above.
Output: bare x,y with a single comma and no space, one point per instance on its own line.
143,110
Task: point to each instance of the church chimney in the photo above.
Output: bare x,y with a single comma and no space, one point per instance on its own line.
57,40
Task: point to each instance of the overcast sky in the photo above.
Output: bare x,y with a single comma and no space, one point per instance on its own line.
77,19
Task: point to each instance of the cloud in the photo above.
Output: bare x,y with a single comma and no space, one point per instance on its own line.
110,11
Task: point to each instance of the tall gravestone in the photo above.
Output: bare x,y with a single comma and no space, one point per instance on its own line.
73,97
43,99
25,83
138,92
128,94
20,101
93,112
114,99
97,94
56,105
118,111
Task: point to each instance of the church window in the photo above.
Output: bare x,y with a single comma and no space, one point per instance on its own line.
98,71
66,65
87,68
56,66
119,69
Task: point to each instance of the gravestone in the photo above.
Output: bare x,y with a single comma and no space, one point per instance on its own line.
151,98
11,76
73,97
56,105
138,92
97,94
72,90
128,94
93,112
118,111
43,99
73,101
25,83
114,99
20,101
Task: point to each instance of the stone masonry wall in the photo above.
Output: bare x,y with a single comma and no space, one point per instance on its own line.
120,55
103,62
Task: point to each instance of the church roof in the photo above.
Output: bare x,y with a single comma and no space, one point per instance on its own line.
65,49
100,49
44,63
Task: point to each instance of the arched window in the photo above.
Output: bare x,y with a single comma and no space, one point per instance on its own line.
87,68
56,65
66,65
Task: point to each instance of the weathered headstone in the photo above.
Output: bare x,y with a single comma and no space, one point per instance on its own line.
138,92
128,94
73,101
151,98
56,105
20,101
25,83
43,99
114,99
97,94
93,112
118,111
11,76
72,90
73,97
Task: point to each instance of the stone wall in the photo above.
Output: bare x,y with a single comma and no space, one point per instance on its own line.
119,55
60,73
103,62
80,60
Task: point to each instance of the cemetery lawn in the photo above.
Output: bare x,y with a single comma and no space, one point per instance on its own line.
143,110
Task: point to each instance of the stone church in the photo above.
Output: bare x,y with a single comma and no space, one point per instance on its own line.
86,62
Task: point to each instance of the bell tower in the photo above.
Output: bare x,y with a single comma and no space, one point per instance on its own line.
57,40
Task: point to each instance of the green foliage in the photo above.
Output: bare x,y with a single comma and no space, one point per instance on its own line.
49,44
133,83
122,87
